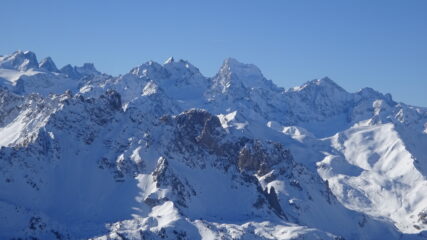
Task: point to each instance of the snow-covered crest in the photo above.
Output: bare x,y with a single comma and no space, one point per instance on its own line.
163,152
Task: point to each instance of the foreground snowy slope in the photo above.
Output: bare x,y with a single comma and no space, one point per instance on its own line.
163,152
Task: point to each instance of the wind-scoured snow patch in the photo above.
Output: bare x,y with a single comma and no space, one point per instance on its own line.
295,132
258,230
230,120
149,89
11,133
226,118
12,75
165,214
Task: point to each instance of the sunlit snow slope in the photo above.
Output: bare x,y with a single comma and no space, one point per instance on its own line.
163,152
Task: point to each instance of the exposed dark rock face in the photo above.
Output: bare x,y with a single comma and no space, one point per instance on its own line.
260,158
48,65
114,99
164,177
199,130
422,217
199,124
274,202
9,105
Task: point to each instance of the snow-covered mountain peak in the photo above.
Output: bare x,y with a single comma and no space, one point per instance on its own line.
150,70
21,73
69,71
19,60
47,64
77,72
324,83
180,66
321,90
368,93
240,76
178,79
169,60
250,74
87,69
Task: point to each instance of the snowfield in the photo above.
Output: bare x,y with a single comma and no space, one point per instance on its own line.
163,152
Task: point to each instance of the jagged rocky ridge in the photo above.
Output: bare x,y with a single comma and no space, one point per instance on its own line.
163,152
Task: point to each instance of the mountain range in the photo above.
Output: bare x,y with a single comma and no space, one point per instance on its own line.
164,152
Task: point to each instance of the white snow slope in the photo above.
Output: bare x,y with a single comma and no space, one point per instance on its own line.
163,152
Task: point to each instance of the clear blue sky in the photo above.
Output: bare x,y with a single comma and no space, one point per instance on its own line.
381,44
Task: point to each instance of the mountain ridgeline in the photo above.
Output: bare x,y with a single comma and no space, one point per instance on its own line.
163,152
